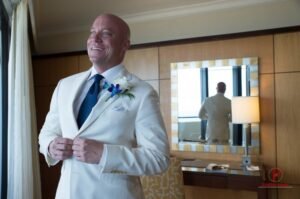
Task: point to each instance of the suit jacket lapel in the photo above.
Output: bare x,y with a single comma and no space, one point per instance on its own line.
73,94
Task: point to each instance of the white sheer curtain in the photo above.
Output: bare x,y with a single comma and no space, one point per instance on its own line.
23,164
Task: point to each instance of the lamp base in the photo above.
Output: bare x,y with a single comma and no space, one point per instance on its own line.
246,160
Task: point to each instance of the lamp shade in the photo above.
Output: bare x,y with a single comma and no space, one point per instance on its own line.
245,110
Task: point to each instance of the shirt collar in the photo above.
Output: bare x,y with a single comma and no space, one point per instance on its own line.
109,74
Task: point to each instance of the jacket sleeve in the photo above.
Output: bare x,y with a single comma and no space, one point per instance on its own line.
51,128
151,155
203,112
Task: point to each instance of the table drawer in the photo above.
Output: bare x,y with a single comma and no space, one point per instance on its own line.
196,179
244,182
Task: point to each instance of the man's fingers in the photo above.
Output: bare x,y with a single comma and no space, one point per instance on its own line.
87,150
78,153
76,147
64,147
61,155
61,148
61,140
84,150
80,144
78,141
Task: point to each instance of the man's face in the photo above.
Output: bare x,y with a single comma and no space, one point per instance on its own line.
107,42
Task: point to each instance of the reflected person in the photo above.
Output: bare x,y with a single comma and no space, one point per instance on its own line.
217,111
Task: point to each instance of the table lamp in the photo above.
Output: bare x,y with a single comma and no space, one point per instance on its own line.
245,110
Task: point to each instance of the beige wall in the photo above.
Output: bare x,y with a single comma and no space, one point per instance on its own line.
279,61
224,17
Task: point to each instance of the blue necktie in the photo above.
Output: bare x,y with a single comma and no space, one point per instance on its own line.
89,101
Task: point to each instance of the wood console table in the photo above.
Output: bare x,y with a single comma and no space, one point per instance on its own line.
235,177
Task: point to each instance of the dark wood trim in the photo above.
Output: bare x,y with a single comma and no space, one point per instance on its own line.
219,37
186,41
56,55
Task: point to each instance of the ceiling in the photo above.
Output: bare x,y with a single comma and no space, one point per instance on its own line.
62,25
55,16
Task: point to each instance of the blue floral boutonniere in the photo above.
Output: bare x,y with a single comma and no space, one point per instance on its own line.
120,87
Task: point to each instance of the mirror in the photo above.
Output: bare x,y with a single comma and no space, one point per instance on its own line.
192,83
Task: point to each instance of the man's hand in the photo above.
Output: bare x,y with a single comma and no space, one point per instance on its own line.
61,148
89,151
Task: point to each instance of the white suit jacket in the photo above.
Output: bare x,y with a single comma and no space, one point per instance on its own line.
217,111
132,130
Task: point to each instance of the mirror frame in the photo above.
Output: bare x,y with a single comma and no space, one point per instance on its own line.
177,145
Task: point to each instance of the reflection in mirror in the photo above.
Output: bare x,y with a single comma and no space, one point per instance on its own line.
192,85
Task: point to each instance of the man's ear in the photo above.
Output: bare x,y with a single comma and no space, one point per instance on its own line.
126,44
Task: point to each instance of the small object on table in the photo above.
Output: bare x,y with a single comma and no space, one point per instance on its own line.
217,167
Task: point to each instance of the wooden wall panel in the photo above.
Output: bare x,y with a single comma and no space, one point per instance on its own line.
287,52
288,125
267,125
292,193
49,178
165,104
84,62
49,71
143,63
287,60
260,46
43,96
49,175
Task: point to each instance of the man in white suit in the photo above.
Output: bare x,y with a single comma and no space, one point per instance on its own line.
105,149
217,111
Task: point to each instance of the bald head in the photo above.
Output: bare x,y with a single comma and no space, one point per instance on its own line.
221,87
119,21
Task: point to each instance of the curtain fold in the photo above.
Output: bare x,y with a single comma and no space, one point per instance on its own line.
23,163
9,6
